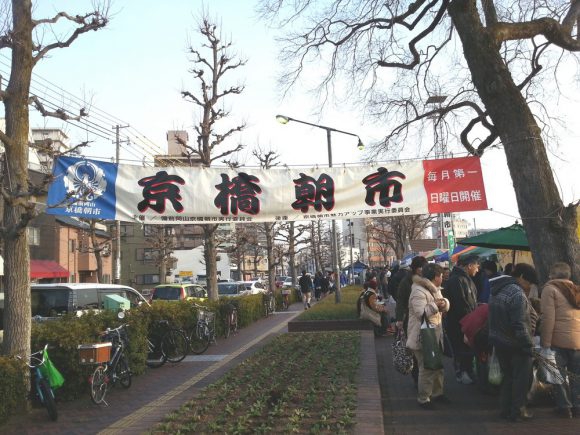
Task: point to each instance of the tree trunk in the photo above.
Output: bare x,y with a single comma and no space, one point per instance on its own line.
268,228
96,248
550,226
210,253
292,255
17,322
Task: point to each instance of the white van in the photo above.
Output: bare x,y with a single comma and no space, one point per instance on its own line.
54,300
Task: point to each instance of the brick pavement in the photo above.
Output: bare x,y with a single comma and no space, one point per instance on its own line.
471,412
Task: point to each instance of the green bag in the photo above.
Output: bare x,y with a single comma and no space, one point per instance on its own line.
430,347
50,372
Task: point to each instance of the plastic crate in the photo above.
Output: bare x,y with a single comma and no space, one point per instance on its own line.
94,353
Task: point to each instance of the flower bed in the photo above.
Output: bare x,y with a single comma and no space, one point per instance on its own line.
298,383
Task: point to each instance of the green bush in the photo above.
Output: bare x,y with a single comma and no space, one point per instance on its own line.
12,387
327,309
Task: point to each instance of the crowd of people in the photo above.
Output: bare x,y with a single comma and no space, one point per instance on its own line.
478,313
322,284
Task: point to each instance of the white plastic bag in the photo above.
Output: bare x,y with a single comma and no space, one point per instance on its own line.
548,371
494,375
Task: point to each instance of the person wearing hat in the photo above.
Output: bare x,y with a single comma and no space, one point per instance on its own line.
462,294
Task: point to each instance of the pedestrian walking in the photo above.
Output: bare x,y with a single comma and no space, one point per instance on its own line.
560,331
305,284
510,332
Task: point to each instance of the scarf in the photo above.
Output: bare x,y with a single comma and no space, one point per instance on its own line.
570,291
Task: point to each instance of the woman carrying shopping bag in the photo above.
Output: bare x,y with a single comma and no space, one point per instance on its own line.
426,306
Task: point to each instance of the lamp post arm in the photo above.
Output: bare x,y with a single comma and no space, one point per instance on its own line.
321,126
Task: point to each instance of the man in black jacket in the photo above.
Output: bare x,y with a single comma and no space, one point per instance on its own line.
461,292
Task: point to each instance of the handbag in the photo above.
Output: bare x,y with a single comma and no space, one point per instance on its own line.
430,347
494,375
548,371
50,372
402,356
367,313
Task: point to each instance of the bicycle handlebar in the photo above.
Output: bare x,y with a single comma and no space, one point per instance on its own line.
32,358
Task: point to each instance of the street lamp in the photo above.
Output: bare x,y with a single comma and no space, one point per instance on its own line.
282,119
440,151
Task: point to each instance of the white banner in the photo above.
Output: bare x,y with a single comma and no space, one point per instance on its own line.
181,195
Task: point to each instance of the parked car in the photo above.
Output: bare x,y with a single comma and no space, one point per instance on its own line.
54,300
231,289
255,287
178,292
280,280
287,282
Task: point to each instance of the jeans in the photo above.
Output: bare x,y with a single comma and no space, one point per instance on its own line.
568,360
516,368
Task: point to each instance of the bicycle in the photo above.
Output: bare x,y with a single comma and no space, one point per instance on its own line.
286,299
269,303
112,371
231,322
165,344
203,332
41,384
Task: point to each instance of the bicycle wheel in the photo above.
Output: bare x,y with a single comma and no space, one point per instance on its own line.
99,385
174,345
234,322
199,340
122,372
155,358
48,399
228,324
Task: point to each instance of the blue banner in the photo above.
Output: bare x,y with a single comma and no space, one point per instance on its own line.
83,188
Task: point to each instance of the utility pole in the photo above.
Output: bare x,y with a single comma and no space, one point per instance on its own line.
117,262
350,243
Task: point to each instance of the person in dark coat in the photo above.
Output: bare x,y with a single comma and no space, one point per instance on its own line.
397,275
510,331
462,295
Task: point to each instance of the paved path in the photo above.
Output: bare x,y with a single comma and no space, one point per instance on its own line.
471,412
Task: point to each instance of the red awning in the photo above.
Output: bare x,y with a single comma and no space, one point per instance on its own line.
47,269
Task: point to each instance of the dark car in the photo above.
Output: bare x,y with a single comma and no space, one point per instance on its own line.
231,289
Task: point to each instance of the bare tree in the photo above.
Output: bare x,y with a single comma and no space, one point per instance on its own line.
295,237
19,32
160,239
506,44
267,160
209,70
395,233
99,246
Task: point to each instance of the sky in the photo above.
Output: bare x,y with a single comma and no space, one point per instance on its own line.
134,70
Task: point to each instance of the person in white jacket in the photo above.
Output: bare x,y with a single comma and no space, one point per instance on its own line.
426,298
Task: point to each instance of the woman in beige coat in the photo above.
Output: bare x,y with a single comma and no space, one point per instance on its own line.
426,298
560,330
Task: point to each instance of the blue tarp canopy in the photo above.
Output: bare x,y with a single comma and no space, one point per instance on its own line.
358,267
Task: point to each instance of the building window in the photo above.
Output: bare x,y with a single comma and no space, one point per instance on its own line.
33,236
72,245
147,279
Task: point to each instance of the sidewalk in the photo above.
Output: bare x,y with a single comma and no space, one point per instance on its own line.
471,412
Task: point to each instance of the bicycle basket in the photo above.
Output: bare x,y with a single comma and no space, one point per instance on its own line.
207,316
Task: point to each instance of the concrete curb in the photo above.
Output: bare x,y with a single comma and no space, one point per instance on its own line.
369,413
